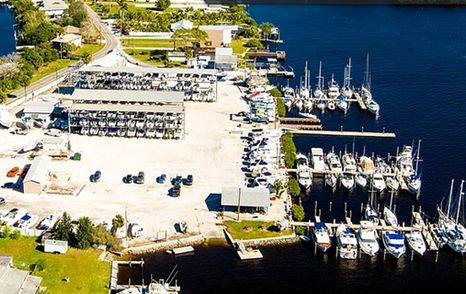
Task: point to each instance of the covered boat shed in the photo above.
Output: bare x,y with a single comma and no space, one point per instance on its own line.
36,178
256,198
39,109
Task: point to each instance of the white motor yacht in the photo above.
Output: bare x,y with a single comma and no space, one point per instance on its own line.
377,181
331,180
320,234
347,181
361,180
347,242
392,183
367,238
6,119
416,242
390,217
334,163
394,242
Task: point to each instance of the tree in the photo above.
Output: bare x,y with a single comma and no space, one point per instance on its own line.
279,188
298,212
5,232
64,229
266,29
123,7
254,43
84,233
15,235
101,236
118,222
76,15
163,4
86,57
275,92
293,187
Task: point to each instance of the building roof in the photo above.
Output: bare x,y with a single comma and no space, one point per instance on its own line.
53,141
51,5
55,242
182,24
71,30
219,28
66,38
223,51
45,107
250,197
172,97
148,70
39,169
129,108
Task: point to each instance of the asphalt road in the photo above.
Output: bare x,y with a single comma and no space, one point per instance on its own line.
110,44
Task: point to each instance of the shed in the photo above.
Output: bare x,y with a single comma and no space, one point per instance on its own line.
176,57
53,143
181,25
71,39
245,197
55,246
36,178
39,110
225,59
219,36
71,30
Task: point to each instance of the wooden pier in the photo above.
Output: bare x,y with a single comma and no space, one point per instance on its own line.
361,103
298,121
243,252
417,219
297,131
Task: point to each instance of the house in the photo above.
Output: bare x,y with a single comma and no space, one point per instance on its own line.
225,60
219,35
37,175
176,57
181,25
15,281
53,8
71,30
253,199
55,246
71,39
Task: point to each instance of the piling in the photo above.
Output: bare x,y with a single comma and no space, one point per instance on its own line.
350,214
330,208
320,212
362,207
378,207
436,256
394,208
336,252
315,208
412,255
346,204
384,253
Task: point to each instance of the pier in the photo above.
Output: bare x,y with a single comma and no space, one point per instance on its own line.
243,252
361,103
298,131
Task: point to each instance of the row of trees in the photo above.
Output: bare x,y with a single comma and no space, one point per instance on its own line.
289,149
84,233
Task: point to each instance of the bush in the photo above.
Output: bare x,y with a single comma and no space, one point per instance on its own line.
289,149
40,265
281,108
6,231
275,92
298,212
15,235
300,230
116,245
293,187
254,43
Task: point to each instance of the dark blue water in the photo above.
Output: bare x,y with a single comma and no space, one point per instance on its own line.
7,40
418,65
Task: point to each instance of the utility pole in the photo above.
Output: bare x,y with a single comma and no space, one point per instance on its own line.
239,201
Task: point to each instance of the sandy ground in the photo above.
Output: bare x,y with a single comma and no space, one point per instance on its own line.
211,152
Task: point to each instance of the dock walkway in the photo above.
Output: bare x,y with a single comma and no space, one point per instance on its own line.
361,103
297,131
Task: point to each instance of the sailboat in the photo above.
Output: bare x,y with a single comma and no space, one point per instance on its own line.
346,90
414,180
342,103
453,231
318,93
370,213
390,217
304,90
371,104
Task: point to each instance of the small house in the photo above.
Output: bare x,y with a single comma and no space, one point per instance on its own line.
251,199
55,246
37,175
219,35
181,25
38,110
225,60
53,8
71,39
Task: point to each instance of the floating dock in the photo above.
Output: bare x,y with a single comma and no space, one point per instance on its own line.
361,103
297,131
417,219
181,250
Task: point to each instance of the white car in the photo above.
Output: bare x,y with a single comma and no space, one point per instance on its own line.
53,132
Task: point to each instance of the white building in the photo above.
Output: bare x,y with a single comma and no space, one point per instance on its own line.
225,59
37,176
219,36
53,8
55,246
38,110
72,39
181,25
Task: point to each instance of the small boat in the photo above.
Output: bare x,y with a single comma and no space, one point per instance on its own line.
331,180
414,183
370,214
392,183
334,163
320,234
307,115
48,222
331,105
377,181
298,103
361,180
390,217
305,179
373,106
29,147
342,103
349,163
27,221
394,242
347,242
6,119
416,242
333,89
347,181
305,238
136,229
367,238
39,123
321,105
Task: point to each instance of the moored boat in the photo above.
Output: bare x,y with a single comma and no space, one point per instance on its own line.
347,242
320,234
416,242
394,242
367,238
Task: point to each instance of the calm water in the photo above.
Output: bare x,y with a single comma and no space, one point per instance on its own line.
7,40
418,65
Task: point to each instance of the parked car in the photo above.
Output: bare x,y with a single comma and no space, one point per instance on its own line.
189,180
128,179
162,179
2,201
177,180
140,178
96,176
53,132
176,191
13,172
19,131
10,185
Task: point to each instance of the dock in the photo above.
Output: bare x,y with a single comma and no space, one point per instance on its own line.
181,250
381,227
243,252
417,219
298,121
297,131
361,103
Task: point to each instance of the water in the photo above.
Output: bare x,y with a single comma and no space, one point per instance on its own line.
418,61
7,42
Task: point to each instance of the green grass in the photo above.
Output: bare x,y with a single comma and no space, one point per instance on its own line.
144,56
92,48
152,43
51,68
237,232
85,272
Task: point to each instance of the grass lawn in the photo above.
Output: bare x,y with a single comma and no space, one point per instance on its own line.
92,48
86,274
144,56
145,42
237,232
51,68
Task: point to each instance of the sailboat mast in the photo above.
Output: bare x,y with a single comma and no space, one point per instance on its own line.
319,77
417,155
366,79
348,83
354,138
449,197
458,207
305,75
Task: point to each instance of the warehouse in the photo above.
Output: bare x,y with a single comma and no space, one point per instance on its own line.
248,199
196,84
136,113
37,175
